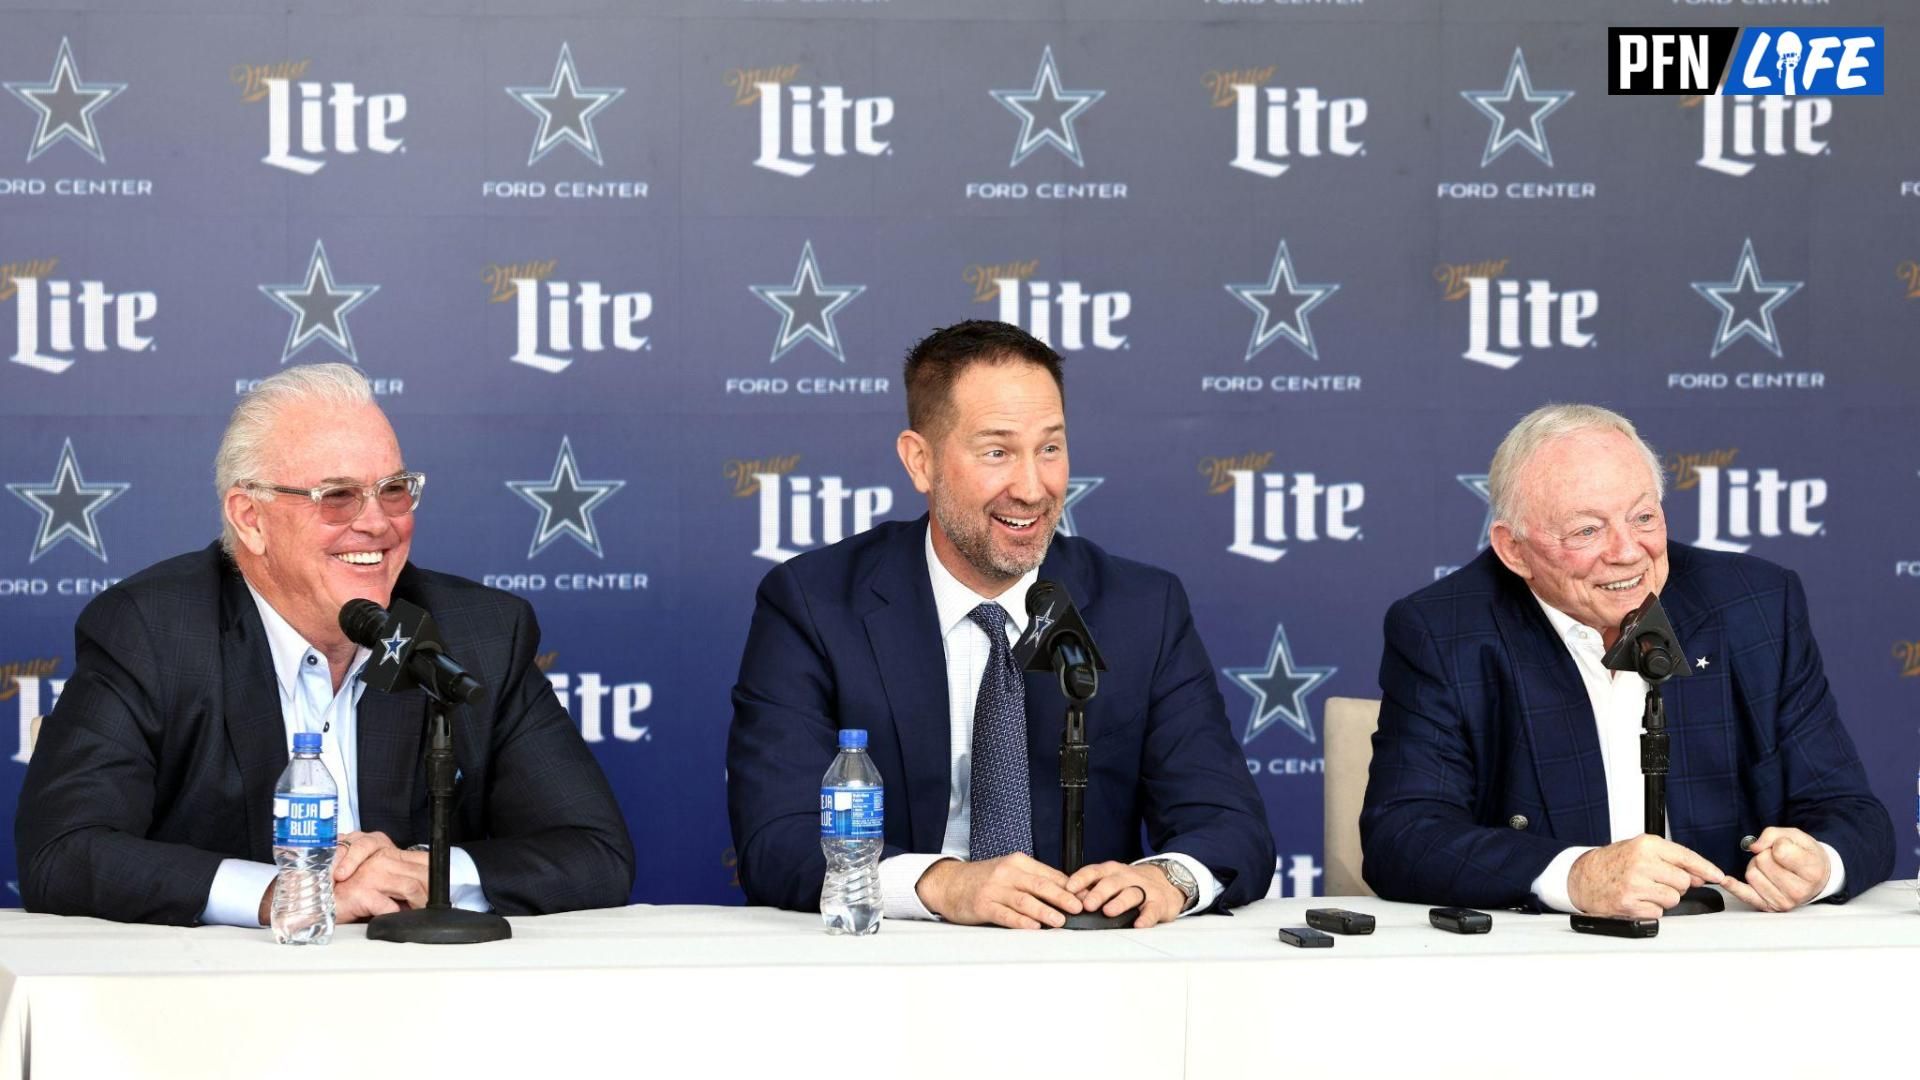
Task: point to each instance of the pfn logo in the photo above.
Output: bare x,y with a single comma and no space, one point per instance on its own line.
347,108
1494,314
1788,61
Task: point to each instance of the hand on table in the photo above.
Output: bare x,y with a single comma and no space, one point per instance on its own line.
1016,891
1788,869
1642,877
1114,887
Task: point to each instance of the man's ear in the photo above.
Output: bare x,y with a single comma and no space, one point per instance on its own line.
1507,546
243,515
916,456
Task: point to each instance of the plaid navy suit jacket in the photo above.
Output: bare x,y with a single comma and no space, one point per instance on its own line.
160,757
1484,717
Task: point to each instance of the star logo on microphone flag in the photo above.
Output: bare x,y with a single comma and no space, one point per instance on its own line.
394,644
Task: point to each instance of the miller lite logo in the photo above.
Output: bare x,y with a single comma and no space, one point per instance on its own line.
1064,314
1738,504
799,122
1275,508
316,118
554,318
55,319
1275,123
1784,125
1530,314
801,512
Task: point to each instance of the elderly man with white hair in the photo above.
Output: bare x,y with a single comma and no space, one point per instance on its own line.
149,795
1506,771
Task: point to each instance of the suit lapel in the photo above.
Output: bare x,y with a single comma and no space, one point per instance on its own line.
904,632
1557,715
251,708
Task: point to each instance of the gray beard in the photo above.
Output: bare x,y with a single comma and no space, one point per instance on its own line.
976,546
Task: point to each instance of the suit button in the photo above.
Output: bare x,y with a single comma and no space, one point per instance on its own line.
1517,821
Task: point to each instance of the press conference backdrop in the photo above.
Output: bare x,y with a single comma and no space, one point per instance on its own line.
635,280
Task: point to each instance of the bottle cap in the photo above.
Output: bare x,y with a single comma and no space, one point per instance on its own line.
853,738
306,742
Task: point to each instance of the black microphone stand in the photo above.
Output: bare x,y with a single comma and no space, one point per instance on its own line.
439,923
1649,647
1079,682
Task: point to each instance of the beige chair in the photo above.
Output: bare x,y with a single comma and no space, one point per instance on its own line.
33,733
1349,725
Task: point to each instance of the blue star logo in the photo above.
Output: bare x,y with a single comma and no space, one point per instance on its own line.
807,307
566,503
1259,296
1536,105
66,106
1279,689
1758,324
1048,109
394,644
1078,487
68,507
565,109
1477,483
319,308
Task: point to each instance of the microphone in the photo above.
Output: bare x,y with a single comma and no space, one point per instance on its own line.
1648,645
407,652
1058,640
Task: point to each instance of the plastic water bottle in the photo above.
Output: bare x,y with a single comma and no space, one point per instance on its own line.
852,810
304,827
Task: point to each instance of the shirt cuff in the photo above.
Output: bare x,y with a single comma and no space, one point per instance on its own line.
1836,879
899,876
1209,885
1552,886
234,899
463,882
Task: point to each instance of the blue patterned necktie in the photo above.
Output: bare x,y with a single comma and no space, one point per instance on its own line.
1002,815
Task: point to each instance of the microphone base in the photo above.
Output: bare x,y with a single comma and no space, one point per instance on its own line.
1094,920
439,926
1700,901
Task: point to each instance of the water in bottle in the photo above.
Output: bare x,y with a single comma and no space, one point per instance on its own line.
304,826
852,805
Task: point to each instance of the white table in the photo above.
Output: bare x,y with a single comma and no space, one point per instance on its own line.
721,992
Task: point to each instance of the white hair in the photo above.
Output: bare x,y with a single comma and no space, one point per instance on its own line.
1540,427
243,448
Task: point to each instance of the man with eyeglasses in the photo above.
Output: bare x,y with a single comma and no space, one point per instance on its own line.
148,798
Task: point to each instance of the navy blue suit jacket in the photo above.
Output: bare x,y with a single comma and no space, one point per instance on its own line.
847,636
1484,717
160,758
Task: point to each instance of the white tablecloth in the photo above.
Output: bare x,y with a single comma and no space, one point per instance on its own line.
721,992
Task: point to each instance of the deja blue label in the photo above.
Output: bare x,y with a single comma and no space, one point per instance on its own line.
303,820
852,813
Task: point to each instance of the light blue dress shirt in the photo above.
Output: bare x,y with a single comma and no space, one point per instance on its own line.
308,702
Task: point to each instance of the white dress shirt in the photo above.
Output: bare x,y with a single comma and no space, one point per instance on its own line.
1619,700
967,650
308,702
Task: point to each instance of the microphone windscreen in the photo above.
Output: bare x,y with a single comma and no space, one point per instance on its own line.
361,620
1043,594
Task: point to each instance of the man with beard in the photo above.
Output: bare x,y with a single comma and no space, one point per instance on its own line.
1506,771
905,630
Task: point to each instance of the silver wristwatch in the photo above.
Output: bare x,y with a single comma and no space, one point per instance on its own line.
1181,877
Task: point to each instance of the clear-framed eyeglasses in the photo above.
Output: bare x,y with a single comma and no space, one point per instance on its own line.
340,502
